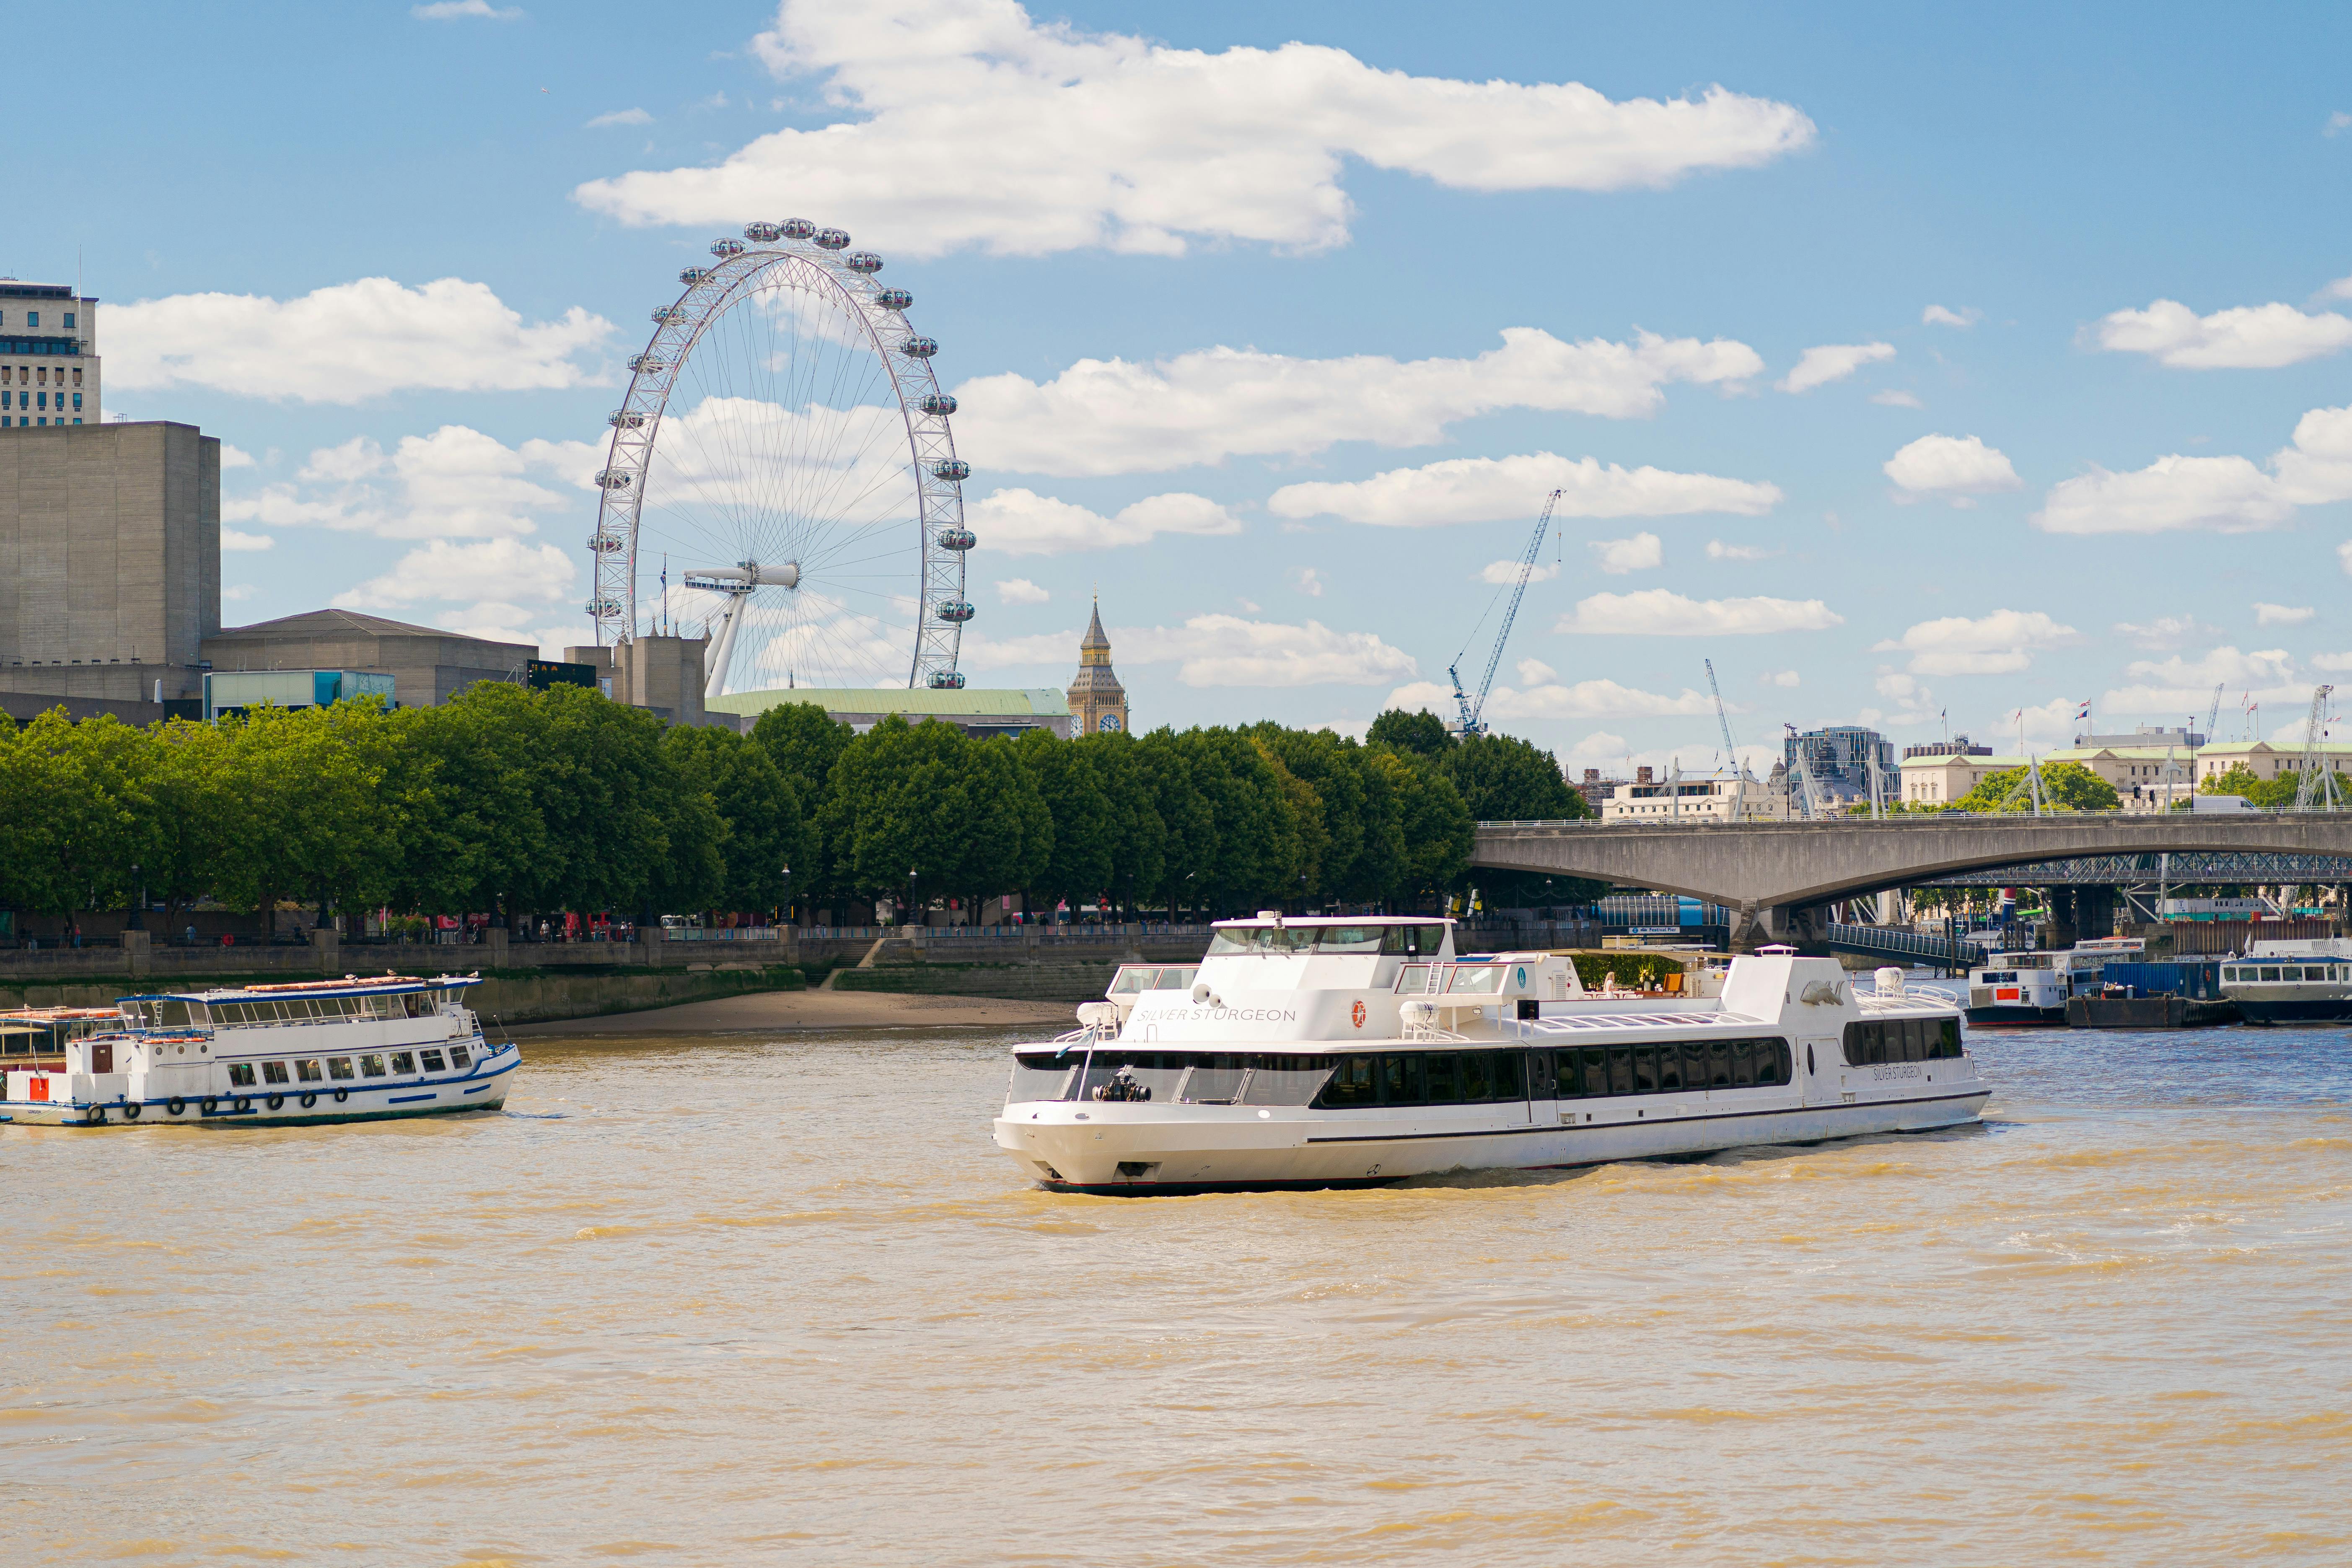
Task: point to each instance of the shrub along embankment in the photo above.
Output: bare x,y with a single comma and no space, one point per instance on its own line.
505,996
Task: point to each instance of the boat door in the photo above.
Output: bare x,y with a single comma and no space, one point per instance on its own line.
102,1056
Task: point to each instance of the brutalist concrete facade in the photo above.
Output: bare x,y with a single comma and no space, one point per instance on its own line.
110,559
427,665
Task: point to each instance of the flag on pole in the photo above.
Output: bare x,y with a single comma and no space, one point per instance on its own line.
2084,710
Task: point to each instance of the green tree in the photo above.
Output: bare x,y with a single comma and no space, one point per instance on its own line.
1189,837
1502,778
77,811
1435,829
2066,786
924,806
1070,786
312,822
805,745
762,834
1135,837
2271,795
1423,733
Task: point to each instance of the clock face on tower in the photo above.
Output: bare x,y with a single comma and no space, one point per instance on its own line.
1107,721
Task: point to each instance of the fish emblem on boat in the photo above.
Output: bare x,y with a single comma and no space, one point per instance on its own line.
1822,994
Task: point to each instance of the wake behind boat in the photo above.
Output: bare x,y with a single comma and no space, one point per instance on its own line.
329,1051
1348,1052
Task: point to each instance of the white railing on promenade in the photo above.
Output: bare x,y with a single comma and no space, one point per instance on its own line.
1893,817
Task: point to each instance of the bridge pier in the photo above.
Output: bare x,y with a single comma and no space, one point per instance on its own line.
1802,926
2077,914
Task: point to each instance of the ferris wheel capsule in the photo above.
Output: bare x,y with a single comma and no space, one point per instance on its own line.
693,275
625,419
947,681
796,228
664,315
646,365
863,261
938,405
919,348
894,299
606,544
615,478
761,233
956,539
832,239
954,469
724,247
604,609
956,610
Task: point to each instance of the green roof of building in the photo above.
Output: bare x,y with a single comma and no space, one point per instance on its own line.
973,702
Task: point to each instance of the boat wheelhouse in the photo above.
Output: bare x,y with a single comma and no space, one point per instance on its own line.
2292,981
2033,987
1338,1052
316,1051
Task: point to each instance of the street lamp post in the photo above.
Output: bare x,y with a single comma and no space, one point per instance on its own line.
911,894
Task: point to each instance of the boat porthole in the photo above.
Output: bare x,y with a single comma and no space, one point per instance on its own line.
130,1112
243,1105
1808,1061
341,1095
309,1100
176,1106
276,1102
208,1106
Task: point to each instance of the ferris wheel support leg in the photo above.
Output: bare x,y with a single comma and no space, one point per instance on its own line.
722,652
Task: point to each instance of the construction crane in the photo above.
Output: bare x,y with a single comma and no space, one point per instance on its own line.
2214,716
1730,747
1470,711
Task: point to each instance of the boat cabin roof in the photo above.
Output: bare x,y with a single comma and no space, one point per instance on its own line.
1269,918
349,985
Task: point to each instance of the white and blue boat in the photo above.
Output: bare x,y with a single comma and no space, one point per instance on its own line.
308,1052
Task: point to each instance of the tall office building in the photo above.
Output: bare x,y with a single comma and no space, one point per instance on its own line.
49,355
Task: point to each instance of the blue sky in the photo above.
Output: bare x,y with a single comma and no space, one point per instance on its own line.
2069,436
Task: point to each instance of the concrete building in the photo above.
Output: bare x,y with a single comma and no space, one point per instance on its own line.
976,710
49,356
230,692
2266,761
110,559
1841,757
1098,701
1932,776
1711,797
662,674
428,666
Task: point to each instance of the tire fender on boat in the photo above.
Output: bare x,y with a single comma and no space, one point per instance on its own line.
176,1105
341,1095
243,1104
130,1109
209,1106
276,1102
309,1100
95,1116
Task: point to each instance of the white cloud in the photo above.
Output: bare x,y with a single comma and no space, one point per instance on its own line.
450,10
1717,549
1500,571
1618,556
2250,337
1217,650
622,117
964,124
2228,495
2001,643
230,539
1536,672
2344,556
1783,677
2179,685
1953,465
1937,316
1832,362
2339,289
1598,745
443,569
2165,631
1483,490
1020,591
1914,703
1584,700
2046,722
1310,582
238,593
1114,416
1659,612
1890,398
455,483
235,457
1023,522
2333,663
346,342
2268,615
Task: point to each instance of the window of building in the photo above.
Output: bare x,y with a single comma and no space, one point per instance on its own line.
77,378
77,403
70,316
32,319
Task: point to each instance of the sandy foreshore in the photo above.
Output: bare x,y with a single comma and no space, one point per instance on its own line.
818,1010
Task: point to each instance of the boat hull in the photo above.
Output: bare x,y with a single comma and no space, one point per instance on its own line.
1133,1150
2295,1009
2014,1015
484,1089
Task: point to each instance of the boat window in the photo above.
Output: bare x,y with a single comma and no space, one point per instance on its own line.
1285,1079
2269,974
431,1061
402,1062
1645,1069
1348,939
371,1067
1157,1075
1402,1082
1507,1075
240,1075
1413,979
1042,1074
1441,1074
1670,1068
1743,1063
1131,980
1354,1081
1483,979
308,1071
275,1072
1215,1079
1595,1080
338,1066
1261,938
1422,941
1621,1069
457,1057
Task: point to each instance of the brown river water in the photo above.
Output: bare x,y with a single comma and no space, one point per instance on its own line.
725,1299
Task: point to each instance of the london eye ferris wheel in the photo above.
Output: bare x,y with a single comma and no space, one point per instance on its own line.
782,475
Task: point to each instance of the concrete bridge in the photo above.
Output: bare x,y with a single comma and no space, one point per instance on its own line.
1778,876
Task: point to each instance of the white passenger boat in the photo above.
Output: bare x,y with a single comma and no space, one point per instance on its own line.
329,1051
2292,981
1348,1052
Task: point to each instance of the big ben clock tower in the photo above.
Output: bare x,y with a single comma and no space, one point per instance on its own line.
1098,701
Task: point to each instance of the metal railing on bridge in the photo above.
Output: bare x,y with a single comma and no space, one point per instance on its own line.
1888,941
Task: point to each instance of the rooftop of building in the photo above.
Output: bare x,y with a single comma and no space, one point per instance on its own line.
345,624
15,288
977,701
